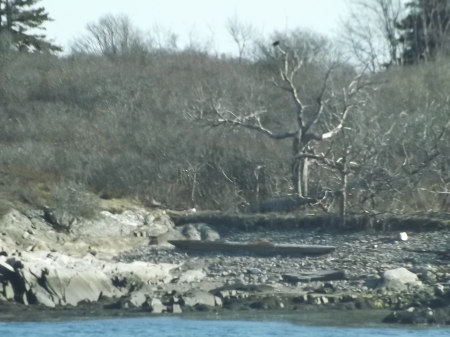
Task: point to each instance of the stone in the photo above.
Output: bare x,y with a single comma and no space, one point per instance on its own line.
191,276
399,279
207,233
267,303
156,306
254,271
39,246
439,290
403,236
44,298
218,301
17,220
418,316
4,264
126,223
176,309
137,298
60,279
8,290
191,233
195,297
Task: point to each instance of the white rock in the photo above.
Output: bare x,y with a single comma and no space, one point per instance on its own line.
4,264
399,279
403,236
137,299
176,309
254,271
157,306
191,276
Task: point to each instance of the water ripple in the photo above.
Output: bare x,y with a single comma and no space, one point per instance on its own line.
172,327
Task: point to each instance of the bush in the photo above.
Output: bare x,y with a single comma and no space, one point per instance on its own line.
117,128
70,202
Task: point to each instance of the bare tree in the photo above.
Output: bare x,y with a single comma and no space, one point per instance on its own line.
369,33
162,38
242,34
111,36
309,129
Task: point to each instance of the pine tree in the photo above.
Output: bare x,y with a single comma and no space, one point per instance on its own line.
425,30
18,17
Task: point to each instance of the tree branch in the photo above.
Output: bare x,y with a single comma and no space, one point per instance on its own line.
258,128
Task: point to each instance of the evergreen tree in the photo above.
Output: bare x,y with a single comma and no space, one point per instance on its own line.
17,17
425,30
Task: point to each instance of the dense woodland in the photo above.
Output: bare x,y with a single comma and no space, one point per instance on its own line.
354,124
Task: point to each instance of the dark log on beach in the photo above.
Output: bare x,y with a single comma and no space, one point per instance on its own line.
261,247
320,275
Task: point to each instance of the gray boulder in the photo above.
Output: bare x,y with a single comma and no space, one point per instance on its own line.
199,231
155,306
191,276
207,233
176,309
399,279
191,233
194,297
137,298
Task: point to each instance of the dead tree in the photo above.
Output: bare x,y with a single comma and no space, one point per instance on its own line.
308,130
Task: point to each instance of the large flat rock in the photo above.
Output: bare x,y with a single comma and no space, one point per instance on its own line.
58,279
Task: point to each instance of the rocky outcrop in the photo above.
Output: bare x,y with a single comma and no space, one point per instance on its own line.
152,224
39,264
57,279
197,232
107,232
426,307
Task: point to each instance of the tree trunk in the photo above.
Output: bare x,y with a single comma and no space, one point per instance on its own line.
194,185
296,177
343,199
300,172
426,36
8,17
304,175
300,175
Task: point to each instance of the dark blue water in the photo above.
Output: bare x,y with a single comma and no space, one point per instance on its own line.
170,327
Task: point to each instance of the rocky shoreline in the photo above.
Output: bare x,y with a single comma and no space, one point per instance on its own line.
122,266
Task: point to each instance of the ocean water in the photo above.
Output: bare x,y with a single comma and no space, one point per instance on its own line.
173,327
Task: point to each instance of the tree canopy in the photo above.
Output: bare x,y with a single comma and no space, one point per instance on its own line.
19,18
425,29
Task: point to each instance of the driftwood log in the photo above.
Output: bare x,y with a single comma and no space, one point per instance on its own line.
259,247
320,275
